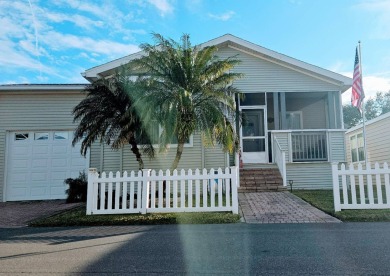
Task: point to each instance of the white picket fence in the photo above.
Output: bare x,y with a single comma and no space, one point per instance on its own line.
149,191
361,188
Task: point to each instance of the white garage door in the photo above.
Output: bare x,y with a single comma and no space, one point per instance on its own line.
39,162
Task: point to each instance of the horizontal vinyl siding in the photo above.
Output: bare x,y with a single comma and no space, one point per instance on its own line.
265,76
96,155
378,143
310,175
214,157
337,146
34,111
190,159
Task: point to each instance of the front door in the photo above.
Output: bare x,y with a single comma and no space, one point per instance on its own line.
254,143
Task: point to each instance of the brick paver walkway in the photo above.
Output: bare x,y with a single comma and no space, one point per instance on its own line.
19,213
279,207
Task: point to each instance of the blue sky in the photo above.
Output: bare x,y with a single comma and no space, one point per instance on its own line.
53,41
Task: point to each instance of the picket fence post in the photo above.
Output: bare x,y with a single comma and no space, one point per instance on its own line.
145,190
336,188
234,171
92,178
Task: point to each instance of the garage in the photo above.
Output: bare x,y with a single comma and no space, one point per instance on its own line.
38,162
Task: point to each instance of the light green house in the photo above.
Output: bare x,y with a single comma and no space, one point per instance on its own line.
292,107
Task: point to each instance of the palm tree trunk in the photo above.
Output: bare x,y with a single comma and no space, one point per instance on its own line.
137,153
179,151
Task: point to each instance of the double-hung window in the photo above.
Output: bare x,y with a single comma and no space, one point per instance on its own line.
357,148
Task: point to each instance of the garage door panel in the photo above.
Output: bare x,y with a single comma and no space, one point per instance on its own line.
78,163
57,149
39,163
21,164
18,177
38,176
40,149
59,176
59,163
39,191
19,193
22,151
58,191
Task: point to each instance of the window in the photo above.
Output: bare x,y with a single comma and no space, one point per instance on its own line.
155,132
294,119
41,136
21,136
357,148
253,99
61,135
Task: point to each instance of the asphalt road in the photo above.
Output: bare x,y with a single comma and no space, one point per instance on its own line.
244,249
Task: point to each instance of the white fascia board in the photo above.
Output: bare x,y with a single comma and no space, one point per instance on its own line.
264,53
94,72
42,87
377,119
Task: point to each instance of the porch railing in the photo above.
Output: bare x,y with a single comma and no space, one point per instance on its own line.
308,146
280,159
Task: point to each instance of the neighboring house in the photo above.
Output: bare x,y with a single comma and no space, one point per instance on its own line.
287,102
377,141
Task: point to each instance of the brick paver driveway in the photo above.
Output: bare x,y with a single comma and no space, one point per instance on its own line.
19,213
279,207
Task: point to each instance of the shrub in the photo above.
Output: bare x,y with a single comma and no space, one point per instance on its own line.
77,191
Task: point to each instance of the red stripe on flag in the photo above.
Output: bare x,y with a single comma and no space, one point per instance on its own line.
357,87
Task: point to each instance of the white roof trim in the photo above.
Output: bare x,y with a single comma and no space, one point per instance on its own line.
42,87
377,119
264,53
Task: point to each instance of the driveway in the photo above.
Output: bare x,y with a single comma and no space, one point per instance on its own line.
20,213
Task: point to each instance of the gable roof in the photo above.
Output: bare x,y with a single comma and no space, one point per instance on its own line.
369,122
242,45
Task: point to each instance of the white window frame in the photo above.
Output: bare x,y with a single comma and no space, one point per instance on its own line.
357,148
186,145
300,113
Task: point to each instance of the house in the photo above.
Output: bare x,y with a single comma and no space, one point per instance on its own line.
292,108
377,143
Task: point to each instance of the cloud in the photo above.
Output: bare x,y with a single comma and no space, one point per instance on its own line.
371,84
380,10
163,6
60,42
222,17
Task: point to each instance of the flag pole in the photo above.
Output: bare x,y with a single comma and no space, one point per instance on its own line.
363,107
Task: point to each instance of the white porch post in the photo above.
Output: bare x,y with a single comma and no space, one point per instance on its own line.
283,110
331,111
276,111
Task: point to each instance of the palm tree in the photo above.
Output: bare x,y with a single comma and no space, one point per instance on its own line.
188,89
107,113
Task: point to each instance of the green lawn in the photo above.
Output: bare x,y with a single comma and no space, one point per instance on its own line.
77,217
323,199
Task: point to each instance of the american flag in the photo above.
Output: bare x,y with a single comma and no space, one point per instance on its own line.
357,86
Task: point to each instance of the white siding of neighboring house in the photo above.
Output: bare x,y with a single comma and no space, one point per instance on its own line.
34,110
377,138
